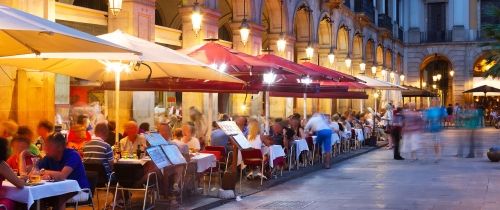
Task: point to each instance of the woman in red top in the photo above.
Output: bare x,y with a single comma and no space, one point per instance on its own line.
78,134
20,146
7,174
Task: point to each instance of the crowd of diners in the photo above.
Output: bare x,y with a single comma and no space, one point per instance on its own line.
58,155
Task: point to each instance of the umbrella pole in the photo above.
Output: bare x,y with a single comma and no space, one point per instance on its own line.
117,107
305,107
266,98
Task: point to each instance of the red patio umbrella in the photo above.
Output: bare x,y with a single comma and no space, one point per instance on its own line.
332,73
349,85
336,95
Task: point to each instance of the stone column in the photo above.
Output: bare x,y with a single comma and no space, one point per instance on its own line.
136,18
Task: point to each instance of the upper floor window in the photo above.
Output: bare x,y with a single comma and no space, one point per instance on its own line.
436,22
91,4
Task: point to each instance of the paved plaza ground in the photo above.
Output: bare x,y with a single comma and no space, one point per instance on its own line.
376,181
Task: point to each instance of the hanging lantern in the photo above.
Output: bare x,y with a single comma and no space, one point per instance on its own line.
281,43
384,72
348,62
331,57
434,86
402,77
115,6
244,31
452,73
434,78
438,77
375,95
374,70
196,18
424,84
392,75
309,51
362,67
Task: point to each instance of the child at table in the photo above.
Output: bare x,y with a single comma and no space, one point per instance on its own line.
20,148
7,174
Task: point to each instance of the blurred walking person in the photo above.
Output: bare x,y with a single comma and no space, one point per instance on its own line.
319,125
412,125
396,128
434,116
472,122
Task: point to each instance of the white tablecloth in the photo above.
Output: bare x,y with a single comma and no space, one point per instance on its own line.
134,161
30,194
300,145
274,151
359,134
204,161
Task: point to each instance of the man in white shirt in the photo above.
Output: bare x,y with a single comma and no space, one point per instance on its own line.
133,139
319,125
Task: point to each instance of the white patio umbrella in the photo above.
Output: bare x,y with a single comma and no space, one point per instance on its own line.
155,61
24,33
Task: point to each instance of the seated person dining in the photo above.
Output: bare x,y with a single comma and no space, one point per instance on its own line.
78,133
133,139
26,132
189,139
61,163
177,140
6,173
281,135
218,137
21,156
43,130
97,151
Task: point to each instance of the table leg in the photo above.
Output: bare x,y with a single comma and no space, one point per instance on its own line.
37,204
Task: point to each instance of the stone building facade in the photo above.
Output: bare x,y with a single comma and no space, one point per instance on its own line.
391,35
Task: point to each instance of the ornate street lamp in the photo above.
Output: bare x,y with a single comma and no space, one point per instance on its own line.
196,18
115,6
374,70
245,27
348,61
362,67
281,43
309,49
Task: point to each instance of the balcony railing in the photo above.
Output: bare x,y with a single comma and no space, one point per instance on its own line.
363,6
384,21
436,36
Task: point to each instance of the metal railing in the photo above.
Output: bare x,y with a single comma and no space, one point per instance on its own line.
436,36
363,6
384,21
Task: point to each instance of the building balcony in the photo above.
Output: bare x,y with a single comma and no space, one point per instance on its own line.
436,36
364,7
384,21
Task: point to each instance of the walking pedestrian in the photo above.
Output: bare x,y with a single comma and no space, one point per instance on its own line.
412,125
319,125
396,128
434,116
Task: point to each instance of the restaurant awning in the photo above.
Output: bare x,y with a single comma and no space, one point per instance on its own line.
412,91
23,33
379,84
332,95
162,61
342,77
349,85
196,85
295,67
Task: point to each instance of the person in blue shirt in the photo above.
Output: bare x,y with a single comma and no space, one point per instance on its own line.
61,163
434,117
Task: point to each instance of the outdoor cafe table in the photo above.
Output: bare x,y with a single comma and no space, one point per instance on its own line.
299,146
204,161
359,134
30,194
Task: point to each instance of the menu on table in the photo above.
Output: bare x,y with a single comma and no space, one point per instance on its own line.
155,139
173,154
158,157
231,129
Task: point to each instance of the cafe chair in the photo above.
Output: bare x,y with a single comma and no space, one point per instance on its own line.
252,158
92,177
215,169
127,176
224,157
101,184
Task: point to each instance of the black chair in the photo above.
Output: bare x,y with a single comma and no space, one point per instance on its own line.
129,178
92,178
103,182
